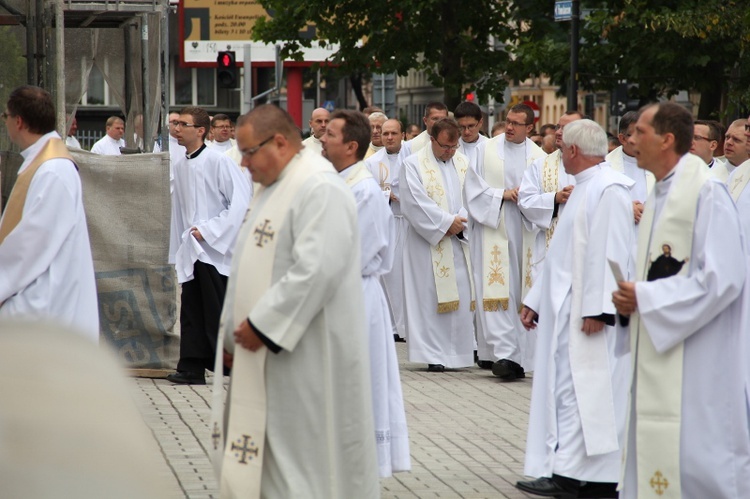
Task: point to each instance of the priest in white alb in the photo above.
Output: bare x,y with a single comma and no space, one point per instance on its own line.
468,115
318,122
497,238
110,144
299,406
46,269
344,144
688,419
544,190
433,112
385,166
578,399
438,294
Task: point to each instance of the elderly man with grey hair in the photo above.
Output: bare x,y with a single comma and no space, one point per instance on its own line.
578,400
377,119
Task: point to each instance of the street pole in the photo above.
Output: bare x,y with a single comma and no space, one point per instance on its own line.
574,37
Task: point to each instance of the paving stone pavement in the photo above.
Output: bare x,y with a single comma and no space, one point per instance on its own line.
467,433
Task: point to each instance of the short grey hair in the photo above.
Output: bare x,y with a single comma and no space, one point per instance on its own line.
378,114
590,138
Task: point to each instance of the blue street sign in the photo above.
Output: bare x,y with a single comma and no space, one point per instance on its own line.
563,10
329,106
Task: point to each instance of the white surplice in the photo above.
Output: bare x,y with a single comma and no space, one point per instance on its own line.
434,338
46,268
221,146
376,232
108,146
211,194
471,149
313,143
386,168
628,165
579,395
319,431
499,333
703,310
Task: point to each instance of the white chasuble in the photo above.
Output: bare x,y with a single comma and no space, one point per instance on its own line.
295,277
432,337
690,315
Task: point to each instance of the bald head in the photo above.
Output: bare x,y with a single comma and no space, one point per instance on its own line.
319,121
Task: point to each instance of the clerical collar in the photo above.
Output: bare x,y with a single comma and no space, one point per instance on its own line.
393,153
195,153
712,163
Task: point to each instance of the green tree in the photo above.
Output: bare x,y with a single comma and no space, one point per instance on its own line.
446,39
662,45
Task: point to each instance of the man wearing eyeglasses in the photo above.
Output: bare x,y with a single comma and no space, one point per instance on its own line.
294,321
705,142
221,126
209,201
469,118
497,236
46,269
735,145
437,286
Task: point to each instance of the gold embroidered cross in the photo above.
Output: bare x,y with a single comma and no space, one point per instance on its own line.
659,483
244,449
264,233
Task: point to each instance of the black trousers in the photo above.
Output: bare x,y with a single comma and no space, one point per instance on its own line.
202,300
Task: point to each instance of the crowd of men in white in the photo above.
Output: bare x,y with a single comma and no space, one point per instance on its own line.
616,277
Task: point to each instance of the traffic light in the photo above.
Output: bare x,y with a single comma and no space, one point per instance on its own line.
227,75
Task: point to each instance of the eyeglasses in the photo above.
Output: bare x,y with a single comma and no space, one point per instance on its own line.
468,128
517,124
253,150
701,137
185,124
222,127
174,122
447,148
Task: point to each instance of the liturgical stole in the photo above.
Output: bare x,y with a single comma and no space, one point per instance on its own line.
658,401
739,181
443,269
358,173
238,455
53,149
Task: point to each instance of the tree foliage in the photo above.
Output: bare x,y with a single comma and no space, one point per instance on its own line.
448,40
662,45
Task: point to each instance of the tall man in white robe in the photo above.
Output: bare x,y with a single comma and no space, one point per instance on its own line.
318,122
209,202
46,269
344,144
433,112
110,144
496,239
688,420
437,281
300,412
544,190
578,399
385,166
469,118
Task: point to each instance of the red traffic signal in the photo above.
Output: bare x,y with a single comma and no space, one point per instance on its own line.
227,75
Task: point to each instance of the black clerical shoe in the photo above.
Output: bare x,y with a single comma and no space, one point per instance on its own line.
508,370
435,368
598,490
187,378
398,339
485,364
557,486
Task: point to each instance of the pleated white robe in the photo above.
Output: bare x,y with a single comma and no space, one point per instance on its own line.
579,395
376,231
434,338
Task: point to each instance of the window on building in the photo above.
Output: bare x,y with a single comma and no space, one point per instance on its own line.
193,86
97,92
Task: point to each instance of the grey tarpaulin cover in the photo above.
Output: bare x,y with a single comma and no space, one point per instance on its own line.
128,208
